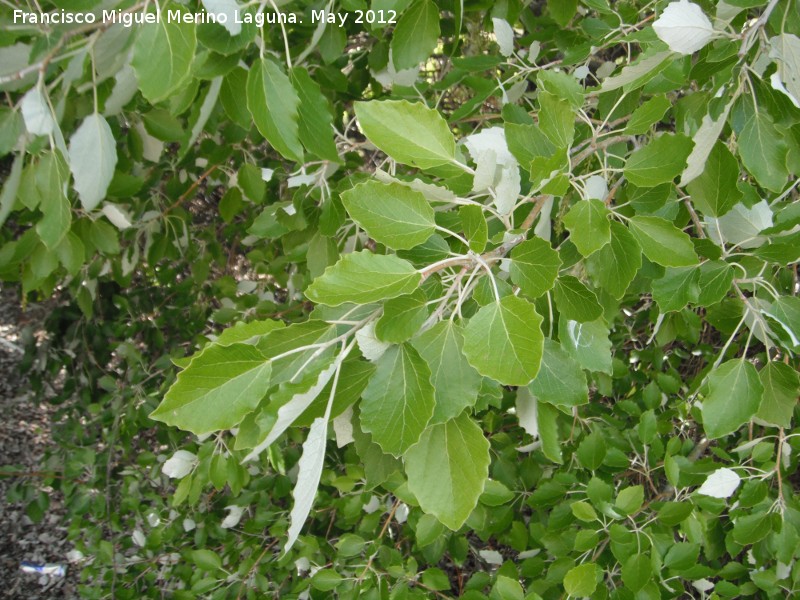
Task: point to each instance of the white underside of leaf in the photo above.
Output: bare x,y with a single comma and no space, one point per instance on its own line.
371,347
720,484
684,27
343,428
288,413
704,140
92,158
527,412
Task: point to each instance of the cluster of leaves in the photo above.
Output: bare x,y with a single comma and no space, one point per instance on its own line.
540,283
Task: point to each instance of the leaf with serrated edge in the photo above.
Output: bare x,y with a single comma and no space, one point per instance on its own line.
92,158
411,133
560,381
448,468
364,277
217,389
392,214
455,382
504,341
399,400
534,266
734,395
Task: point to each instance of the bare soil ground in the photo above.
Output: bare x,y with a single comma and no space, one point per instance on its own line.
25,426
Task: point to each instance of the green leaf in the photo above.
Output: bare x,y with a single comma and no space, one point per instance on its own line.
614,266
399,400
504,341
781,389
581,581
92,158
588,225
637,572
495,494
411,133
763,151
391,213
556,119
647,114
326,580
562,11
678,287
363,277
206,560
416,34
315,119
660,161
429,529
274,104
649,64
592,451
587,343
575,301
447,469
714,191
218,388
534,266
734,395
162,56
562,85
716,277
662,242
547,416
476,230
455,382
50,178
402,317
630,499
560,380
751,528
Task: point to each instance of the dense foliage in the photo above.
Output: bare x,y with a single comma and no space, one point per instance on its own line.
478,298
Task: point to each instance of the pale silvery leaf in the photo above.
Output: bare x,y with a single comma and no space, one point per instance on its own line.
684,27
266,174
75,556
295,407
371,347
515,92
302,179
189,525
179,465
491,557
703,585
491,138
507,190
389,76
741,225
785,49
152,147
92,158
533,51
527,411
777,84
371,506
704,139
595,187
138,538
125,87
543,227
153,519
720,484
401,514
485,171
581,72
114,214
343,428
303,565
233,517
308,475
504,35
229,8
36,113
